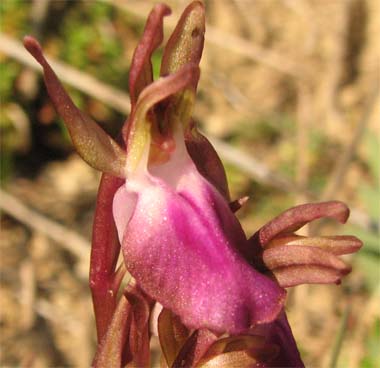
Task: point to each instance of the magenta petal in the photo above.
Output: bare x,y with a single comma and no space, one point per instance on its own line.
180,244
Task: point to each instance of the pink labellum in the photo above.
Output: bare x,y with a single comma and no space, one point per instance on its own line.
180,240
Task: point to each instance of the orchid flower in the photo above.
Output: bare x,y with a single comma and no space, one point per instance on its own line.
163,202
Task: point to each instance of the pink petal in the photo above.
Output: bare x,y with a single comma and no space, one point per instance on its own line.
180,245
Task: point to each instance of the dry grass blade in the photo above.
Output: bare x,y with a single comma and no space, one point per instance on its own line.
249,165
66,238
81,81
238,45
343,162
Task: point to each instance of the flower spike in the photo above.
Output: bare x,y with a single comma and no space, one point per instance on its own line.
163,202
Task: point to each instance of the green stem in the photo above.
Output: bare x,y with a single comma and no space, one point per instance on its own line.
340,337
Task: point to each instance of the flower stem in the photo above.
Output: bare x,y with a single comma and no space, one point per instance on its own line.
340,337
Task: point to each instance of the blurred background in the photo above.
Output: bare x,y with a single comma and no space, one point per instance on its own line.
289,97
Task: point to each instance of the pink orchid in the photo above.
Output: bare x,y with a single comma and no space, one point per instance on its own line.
163,201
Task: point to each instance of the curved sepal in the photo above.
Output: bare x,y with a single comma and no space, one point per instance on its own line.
92,143
279,333
126,343
295,260
105,251
234,358
338,244
206,160
173,335
296,217
138,351
141,74
140,124
194,348
185,45
111,348
294,265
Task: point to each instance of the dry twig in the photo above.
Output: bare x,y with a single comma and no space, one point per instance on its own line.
66,238
238,45
75,78
344,160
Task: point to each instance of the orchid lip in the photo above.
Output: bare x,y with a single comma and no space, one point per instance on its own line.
179,239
